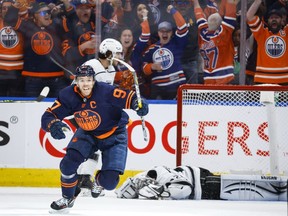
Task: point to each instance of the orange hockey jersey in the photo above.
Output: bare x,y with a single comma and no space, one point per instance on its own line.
272,58
217,47
11,48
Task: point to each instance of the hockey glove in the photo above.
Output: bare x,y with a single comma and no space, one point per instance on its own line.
143,110
153,191
57,128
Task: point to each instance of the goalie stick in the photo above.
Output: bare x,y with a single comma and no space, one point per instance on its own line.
137,93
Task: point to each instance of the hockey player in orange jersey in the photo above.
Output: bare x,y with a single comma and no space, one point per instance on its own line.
215,43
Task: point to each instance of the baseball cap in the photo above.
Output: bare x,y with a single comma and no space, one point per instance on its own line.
37,6
276,12
80,2
165,26
183,2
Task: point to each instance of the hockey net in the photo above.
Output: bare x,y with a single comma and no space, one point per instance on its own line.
229,129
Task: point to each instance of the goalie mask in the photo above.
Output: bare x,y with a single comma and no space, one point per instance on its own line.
110,48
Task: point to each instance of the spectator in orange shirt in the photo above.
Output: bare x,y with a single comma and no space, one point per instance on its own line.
272,54
42,44
11,58
216,44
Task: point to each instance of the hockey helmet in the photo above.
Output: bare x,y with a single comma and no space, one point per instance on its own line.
110,46
84,70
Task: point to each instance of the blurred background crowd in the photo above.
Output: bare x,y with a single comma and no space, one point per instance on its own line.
169,43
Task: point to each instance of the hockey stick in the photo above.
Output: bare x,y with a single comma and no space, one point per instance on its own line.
43,94
137,93
61,66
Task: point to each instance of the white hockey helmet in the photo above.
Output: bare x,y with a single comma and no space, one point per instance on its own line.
110,46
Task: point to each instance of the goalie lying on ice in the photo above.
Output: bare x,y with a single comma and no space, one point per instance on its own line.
162,182
185,182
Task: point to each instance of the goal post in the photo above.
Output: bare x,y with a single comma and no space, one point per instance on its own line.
231,128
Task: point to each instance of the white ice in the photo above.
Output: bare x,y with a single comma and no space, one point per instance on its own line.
36,201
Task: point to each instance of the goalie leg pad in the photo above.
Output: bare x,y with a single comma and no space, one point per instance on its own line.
211,188
253,187
127,190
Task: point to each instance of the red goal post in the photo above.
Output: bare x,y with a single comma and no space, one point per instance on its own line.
233,128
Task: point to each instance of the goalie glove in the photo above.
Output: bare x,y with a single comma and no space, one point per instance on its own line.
57,129
142,181
152,191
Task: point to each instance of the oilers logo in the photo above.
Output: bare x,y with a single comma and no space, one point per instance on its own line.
165,57
86,37
156,13
8,37
275,46
42,43
88,120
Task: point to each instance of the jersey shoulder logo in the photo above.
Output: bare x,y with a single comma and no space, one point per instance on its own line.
275,46
42,43
88,120
86,37
8,37
165,57
156,12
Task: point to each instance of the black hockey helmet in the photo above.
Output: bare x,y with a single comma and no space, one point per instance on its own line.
84,70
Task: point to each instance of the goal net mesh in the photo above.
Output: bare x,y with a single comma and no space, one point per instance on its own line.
233,128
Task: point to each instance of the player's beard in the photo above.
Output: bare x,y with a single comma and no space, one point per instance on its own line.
275,27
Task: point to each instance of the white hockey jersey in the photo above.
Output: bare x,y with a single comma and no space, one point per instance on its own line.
193,176
176,183
158,182
102,74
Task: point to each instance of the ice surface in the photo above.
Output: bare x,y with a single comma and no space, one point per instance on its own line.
36,201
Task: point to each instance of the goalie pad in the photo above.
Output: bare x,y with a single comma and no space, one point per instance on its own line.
253,187
130,188
127,190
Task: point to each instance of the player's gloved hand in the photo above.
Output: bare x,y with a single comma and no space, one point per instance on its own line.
143,110
57,129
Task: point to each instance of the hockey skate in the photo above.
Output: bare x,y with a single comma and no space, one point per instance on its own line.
96,190
63,205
